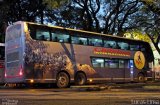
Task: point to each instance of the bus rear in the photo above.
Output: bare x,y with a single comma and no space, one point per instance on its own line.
14,53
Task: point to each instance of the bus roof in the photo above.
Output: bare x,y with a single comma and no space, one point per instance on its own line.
83,31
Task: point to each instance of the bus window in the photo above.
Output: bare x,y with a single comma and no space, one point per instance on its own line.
106,63
63,38
39,32
95,42
79,40
54,37
60,37
113,63
121,64
106,44
98,62
123,45
110,44
42,35
134,47
142,48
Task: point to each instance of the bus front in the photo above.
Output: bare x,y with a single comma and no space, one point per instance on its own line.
14,53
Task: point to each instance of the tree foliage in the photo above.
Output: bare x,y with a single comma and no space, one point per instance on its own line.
151,22
114,17
24,10
106,16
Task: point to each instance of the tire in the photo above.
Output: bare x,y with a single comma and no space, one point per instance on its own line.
80,79
141,78
62,80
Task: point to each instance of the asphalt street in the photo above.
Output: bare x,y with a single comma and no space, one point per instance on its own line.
78,97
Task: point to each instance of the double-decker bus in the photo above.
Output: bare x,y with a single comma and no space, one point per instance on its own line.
38,53
1,62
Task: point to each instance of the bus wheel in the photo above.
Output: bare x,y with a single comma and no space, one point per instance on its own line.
80,79
62,80
141,78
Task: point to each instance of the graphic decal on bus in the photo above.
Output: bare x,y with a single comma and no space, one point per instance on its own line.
139,60
44,63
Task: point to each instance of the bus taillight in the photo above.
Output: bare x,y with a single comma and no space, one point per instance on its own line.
20,71
1,66
5,75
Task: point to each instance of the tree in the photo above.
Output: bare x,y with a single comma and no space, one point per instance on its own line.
118,15
106,16
24,10
151,25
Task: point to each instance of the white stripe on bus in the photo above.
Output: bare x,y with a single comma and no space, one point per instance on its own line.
13,61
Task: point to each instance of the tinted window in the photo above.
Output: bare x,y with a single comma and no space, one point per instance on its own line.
39,32
95,42
121,64
110,44
134,47
123,45
79,40
42,34
113,63
109,63
60,37
98,62
106,63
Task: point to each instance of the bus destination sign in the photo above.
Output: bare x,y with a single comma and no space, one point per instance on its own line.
112,52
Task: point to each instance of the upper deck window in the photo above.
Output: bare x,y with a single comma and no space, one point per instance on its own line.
123,45
79,40
142,48
110,44
95,42
42,34
60,37
134,47
38,32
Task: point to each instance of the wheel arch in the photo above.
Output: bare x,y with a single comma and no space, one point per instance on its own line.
142,74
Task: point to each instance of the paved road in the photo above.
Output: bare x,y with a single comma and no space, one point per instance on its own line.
76,97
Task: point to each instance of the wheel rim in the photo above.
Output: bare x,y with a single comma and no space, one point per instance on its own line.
81,79
141,78
62,80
